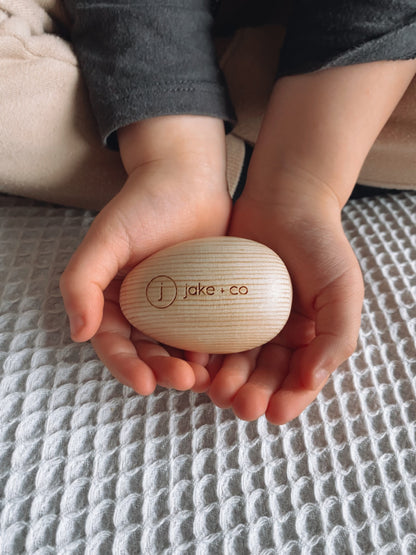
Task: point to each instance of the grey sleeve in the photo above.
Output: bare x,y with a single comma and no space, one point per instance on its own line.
324,33
147,58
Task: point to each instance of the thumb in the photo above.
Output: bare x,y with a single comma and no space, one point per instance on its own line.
338,321
92,267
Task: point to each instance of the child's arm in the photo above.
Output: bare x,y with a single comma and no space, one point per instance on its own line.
315,136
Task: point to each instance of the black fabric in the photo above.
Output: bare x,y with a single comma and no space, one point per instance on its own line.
142,59
146,58
324,33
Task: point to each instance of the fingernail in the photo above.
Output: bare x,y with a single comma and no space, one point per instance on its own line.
319,377
76,323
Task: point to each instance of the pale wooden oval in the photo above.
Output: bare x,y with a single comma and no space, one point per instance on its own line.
212,295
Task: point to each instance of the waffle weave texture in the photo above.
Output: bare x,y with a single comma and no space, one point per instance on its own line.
88,466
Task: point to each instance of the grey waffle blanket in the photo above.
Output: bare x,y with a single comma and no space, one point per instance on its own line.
88,466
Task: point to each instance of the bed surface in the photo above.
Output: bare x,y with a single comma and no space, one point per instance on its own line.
88,466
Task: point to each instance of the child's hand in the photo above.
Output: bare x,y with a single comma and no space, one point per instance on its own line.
315,136
284,376
176,190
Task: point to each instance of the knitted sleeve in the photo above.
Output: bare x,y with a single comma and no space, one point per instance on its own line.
324,33
147,58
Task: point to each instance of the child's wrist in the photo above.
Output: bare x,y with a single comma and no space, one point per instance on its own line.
292,191
187,139
319,127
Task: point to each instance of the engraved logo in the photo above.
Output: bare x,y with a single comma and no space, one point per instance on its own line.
161,291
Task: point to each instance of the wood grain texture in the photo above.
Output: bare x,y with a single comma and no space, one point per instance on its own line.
212,295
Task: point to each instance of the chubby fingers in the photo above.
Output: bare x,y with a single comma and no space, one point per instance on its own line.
139,362
338,318
115,349
92,267
337,323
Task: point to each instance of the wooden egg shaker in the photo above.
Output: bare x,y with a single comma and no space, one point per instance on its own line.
212,295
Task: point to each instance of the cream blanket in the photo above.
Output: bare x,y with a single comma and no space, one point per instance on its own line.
49,144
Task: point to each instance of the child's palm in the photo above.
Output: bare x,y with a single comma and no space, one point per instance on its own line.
280,379
158,206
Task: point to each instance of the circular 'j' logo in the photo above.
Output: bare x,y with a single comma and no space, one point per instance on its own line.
161,291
